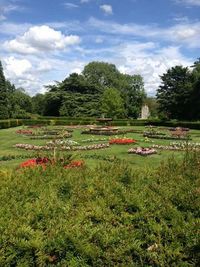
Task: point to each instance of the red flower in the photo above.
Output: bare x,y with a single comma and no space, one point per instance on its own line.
122,141
28,163
34,162
24,132
75,164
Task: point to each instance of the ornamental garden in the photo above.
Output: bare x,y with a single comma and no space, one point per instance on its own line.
95,144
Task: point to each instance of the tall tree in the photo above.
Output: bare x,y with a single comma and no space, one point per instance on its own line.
4,101
102,74
38,103
112,104
133,93
195,95
173,95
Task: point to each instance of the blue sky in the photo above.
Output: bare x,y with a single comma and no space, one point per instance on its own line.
42,41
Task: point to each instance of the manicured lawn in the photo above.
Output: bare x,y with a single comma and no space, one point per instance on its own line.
8,138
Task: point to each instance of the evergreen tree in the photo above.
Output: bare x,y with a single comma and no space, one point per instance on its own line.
4,102
174,93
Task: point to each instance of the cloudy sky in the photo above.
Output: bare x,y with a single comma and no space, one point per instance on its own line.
42,41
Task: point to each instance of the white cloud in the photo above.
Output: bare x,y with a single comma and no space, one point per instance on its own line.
70,5
9,28
181,33
107,9
2,17
6,8
41,39
17,67
189,2
33,72
85,1
99,40
138,58
145,58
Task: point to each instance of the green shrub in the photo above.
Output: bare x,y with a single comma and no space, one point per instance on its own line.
4,124
108,216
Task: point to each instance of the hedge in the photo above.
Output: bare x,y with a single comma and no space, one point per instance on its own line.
4,124
86,121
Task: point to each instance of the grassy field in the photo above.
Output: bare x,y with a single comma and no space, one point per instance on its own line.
8,138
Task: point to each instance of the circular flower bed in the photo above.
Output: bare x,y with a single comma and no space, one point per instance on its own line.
122,141
142,151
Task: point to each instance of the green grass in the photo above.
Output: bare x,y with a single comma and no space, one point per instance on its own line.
8,138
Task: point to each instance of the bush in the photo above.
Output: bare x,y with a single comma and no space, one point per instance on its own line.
4,124
108,216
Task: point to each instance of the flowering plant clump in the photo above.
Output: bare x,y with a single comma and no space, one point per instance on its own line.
62,142
142,151
44,161
75,164
35,162
182,146
62,148
122,141
32,147
35,126
28,132
185,145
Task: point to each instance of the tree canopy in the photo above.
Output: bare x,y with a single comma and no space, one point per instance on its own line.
173,94
83,94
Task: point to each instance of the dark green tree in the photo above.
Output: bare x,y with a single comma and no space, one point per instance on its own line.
77,83
173,95
79,94
132,90
20,104
112,104
52,103
195,95
4,100
38,104
79,105
102,75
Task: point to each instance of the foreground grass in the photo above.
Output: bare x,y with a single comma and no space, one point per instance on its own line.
107,216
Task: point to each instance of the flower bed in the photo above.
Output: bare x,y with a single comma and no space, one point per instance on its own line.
62,148
58,142
122,141
35,162
27,132
44,161
110,133
167,137
40,137
142,151
183,146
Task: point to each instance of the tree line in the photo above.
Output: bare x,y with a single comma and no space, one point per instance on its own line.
101,89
